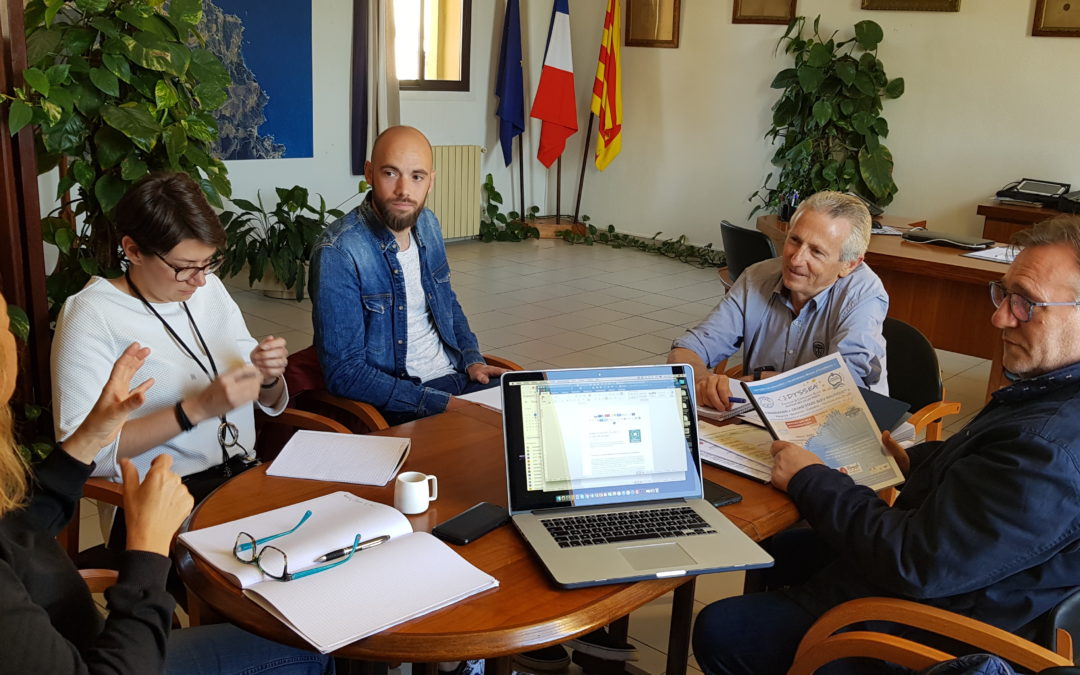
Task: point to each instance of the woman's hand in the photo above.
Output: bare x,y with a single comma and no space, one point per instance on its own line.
228,391
270,357
117,401
154,509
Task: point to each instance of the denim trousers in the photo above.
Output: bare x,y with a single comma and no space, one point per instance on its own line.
758,633
224,649
455,384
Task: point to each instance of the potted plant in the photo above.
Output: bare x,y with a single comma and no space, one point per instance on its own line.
115,89
828,119
276,245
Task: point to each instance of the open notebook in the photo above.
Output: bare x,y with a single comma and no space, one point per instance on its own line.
410,575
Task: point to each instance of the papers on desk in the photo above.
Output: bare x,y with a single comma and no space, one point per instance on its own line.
342,458
741,448
489,398
410,575
1001,254
885,229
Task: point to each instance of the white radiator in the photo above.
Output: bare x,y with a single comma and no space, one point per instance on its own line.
456,197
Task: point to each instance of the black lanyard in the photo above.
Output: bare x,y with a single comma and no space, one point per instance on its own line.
228,435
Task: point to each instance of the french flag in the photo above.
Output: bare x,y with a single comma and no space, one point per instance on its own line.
554,103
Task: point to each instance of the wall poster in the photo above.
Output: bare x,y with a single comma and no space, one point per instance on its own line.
266,47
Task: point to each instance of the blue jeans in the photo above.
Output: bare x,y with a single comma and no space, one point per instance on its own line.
454,384
758,633
224,649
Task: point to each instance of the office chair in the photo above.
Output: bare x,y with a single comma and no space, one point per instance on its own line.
915,378
742,248
307,390
822,644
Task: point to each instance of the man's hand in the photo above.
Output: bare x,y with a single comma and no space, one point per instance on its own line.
714,391
789,459
112,408
154,509
482,372
898,452
270,358
229,390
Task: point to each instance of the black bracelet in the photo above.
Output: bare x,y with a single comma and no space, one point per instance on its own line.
182,418
272,383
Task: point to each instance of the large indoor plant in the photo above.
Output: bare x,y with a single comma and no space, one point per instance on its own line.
277,241
828,119
115,89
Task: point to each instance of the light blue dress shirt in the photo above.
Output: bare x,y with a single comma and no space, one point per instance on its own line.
757,315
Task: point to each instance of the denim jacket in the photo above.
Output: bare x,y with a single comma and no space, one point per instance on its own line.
360,313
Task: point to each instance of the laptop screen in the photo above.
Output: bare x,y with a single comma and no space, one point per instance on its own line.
597,436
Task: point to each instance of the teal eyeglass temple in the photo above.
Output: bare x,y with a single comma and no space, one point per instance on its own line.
256,555
258,542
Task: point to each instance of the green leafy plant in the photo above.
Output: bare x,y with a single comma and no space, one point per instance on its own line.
677,248
498,226
115,88
33,423
281,238
828,118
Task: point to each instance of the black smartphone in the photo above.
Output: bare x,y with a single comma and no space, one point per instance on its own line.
472,524
718,495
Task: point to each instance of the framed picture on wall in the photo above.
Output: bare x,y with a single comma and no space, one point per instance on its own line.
652,23
763,11
1056,18
914,5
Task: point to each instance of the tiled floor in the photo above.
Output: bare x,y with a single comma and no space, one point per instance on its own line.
549,304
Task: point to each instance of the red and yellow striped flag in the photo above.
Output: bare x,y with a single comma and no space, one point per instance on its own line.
607,90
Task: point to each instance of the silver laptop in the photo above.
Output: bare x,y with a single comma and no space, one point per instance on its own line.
605,480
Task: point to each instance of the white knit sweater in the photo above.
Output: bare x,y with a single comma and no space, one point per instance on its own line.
98,323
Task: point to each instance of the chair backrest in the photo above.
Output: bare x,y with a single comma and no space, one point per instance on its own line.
744,247
914,376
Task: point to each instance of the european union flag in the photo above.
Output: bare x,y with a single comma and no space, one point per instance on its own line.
509,85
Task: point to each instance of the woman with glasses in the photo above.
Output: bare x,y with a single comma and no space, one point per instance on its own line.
47,617
208,369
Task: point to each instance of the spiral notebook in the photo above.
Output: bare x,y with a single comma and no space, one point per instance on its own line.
341,458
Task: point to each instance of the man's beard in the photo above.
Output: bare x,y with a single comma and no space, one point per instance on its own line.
399,222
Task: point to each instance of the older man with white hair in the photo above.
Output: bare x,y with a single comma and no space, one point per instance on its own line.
815,299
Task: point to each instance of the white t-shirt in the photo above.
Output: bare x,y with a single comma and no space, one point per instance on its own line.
425,355
98,323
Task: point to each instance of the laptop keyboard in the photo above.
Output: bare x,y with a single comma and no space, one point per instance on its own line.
605,528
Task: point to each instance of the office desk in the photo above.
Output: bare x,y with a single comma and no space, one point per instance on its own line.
936,289
464,448
1002,221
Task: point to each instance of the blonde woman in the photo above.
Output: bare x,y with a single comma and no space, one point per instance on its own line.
48,620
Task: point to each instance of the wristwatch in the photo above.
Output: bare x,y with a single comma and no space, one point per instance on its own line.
762,369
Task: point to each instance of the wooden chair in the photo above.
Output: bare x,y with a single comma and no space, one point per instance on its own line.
822,644
112,493
915,377
307,390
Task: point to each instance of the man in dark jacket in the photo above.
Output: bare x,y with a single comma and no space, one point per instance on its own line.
988,523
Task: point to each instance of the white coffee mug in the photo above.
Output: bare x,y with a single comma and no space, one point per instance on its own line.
411,493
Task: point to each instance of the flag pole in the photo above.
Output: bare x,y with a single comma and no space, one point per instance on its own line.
584,161
558,190
521,174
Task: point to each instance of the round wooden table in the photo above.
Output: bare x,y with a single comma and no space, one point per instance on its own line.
464,448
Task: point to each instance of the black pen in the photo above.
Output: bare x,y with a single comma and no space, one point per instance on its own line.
342,552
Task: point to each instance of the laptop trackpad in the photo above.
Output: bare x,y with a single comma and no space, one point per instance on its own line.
656,556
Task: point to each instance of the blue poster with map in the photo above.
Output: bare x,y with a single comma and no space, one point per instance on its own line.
266,47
